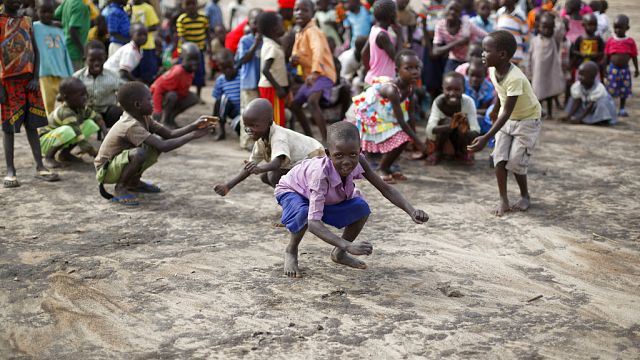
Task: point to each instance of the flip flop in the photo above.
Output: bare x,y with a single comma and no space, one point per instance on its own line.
145,187
128,200
417,155
47,175
398,176
10,182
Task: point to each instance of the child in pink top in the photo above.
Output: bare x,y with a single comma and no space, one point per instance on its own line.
321,191
382,45
574,16
619,49
453,35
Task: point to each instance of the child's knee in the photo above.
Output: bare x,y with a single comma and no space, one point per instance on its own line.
138,155
170,98
265,178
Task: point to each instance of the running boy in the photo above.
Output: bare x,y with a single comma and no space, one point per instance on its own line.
70,124
619,49
274,81
20,93
134,143
517,118
282,148
321,191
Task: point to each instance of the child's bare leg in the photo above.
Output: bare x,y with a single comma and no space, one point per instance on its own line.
130,172
389,158
50,160
622,112
7,141
524,202
316,112
272,178
350,233
501,176
291,268
34,143
301,117
549,109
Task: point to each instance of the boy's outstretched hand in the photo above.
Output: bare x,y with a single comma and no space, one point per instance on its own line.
198,133
359,248
221,189
419,216
477,144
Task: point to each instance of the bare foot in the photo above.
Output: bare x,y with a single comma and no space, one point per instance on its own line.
291,268
65,155
51,163
522,204
341,257
502,208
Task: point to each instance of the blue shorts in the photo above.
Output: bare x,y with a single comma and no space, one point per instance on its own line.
295,211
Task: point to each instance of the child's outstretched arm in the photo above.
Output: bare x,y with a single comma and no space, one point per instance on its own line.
481,141
223,189
393,95
392,194
175,133
250,167
576,104
180,136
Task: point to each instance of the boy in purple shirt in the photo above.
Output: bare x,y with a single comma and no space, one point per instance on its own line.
321,190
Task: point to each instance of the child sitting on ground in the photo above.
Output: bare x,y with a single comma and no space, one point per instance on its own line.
590,103
545,61
280,147
128,57
171,95
134,143
70,124
382,114
517,119
619,49
20,92
322,191
274,81
452,120
478,87
226,92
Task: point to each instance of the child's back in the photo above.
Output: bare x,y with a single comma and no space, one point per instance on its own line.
380,64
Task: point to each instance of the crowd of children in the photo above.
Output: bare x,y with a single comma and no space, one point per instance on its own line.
474,71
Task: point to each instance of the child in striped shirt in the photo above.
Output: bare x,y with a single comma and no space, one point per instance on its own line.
512,19
194,27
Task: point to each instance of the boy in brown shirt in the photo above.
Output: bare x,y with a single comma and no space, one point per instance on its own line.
134,143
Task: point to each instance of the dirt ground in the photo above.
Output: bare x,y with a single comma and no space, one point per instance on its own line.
189,274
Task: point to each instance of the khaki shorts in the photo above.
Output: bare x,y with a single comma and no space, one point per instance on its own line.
515,143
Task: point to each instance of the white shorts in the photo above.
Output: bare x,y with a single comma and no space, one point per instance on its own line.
515,143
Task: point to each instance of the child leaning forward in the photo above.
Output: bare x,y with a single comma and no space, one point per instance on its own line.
322,191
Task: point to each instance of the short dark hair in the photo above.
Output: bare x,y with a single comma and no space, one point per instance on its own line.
224,55
129,93
505,41
95,45
404,53
622,18
384,9
595,5
68,85
342,131
267,21
453,75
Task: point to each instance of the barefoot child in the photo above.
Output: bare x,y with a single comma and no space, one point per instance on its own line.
619,49
453,119
274,81
383,111
590,103
321,191
134,143
281,148
517,114
20,97
70,124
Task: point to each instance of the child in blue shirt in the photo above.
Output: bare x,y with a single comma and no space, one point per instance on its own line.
226,92
483,18
51,46
478,87
118,24
358,22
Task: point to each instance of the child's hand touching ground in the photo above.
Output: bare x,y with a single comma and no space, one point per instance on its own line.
359,248
419,216
221,189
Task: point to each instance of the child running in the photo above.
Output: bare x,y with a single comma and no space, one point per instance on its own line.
70,124
619,49
383,111
281,148
20,92
321,191
134,143
517,119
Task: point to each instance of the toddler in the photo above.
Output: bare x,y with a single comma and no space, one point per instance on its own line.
619,49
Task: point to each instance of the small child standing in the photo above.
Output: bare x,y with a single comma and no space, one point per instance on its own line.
382,46
619,49
453,120
50,42
321,191
517,119
280,147
574,17
20,94
588,47
70,124
134,143
382,114
483,20
118,25
545,61
590,103
274,80
193,27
